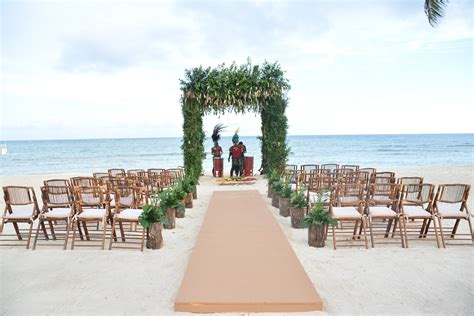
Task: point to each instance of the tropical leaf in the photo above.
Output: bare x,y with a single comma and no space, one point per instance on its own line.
434,10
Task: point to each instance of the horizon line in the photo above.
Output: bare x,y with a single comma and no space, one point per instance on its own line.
170,137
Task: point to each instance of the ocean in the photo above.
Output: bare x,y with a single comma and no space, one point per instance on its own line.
95,155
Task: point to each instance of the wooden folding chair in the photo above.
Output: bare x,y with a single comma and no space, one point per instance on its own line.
329,167
382,212
117,172
347,205
415,203
306,171
57,207
21,207
128,201
450,203
134,172
84,181
350,167
89,203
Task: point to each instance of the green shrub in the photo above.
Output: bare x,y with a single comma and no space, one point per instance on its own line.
298,199
152,213
319,215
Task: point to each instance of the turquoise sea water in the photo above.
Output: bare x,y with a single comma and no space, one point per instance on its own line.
380,151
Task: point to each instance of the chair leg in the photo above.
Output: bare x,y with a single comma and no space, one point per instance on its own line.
455,228
29,235
122,233
427,228
52,229
470,227
394,227
333,237
389,227
371,232
75,224
404,221
37,232
401,232
104,224
436,232
112,233
68,226
354,234
143,239
86,231
17,231
364,223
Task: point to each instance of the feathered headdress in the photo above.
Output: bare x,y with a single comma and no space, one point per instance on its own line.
216,134
235,138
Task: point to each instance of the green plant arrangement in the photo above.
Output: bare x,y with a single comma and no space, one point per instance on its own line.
189,188
276,186
298,205
317,221
285,195
181,194
273,175
170,204
152,219
238,89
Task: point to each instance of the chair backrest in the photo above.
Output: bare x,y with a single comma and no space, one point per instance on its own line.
134,172
417,194
115,182
116,172
57,196
309,168
100,174
291,167
330,166
348,194
371,171
383,194
453,194
57,183
92,196
410,180
351,167
127,197
176,172
84,181
153,186
383,177
155,172
18,195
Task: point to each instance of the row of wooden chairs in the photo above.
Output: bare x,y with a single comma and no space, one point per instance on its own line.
412,207
69,204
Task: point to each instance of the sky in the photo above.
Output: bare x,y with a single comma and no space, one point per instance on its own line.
111,69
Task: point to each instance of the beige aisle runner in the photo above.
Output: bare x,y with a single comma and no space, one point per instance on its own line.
242,262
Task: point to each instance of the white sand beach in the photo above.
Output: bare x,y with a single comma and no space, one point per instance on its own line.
387,279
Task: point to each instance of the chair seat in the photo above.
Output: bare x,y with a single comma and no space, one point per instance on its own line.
130,214
382,211
348,212
92,213
413,211
128,200
20,212
451,210
313,196
58,213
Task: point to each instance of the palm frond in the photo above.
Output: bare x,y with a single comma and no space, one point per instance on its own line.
434,10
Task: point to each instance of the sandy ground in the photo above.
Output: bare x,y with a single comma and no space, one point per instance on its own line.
385,279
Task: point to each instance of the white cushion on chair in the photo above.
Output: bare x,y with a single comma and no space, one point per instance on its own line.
451,210
416,211
58,213
381,211
131,214
20,212
293,186
346,212
92,213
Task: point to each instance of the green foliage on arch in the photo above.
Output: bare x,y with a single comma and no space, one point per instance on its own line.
237,89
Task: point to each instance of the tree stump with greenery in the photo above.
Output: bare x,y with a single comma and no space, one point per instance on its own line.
284,206
317,235
154,238
195,193
170,216
297,217
180,213
188,202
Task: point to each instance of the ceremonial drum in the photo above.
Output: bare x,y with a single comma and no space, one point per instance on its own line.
248,171
218,167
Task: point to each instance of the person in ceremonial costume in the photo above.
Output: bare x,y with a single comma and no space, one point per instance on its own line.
235,152
216,150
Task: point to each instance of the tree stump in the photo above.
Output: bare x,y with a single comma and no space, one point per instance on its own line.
154,238
188,202
284,207
179,213
275,200
195,192
270,191
297,216
171,217
317,235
